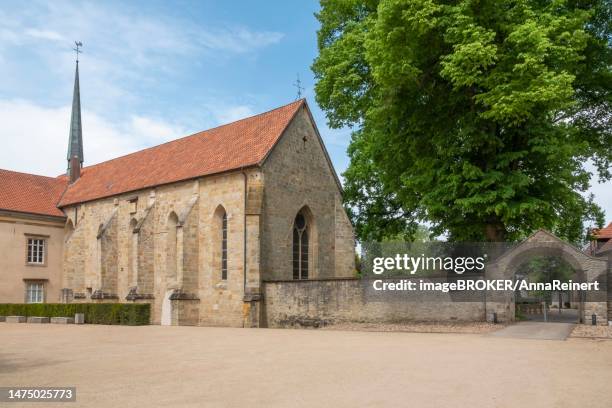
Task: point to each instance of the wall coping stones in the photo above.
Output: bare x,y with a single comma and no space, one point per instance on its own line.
252,297
180,295
98,294
62,320
314,280
38,319
134,295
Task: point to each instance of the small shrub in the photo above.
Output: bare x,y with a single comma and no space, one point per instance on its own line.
130,314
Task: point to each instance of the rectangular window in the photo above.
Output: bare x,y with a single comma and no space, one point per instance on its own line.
133,205
35,292
36,251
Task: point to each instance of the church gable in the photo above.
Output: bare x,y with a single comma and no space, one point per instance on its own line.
301,186
303,129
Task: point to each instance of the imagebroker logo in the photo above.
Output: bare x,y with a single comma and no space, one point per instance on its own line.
480,285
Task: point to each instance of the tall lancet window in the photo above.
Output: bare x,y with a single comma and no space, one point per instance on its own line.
300,247
224,246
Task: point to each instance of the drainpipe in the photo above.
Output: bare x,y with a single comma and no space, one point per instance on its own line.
244,242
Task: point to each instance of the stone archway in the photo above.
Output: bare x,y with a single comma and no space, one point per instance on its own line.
543,243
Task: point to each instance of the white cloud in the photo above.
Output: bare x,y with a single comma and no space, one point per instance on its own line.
35,138
44,34
125,49
238,40
8,37
126,31
154,130
231,113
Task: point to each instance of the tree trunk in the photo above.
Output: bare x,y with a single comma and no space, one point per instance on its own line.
495,231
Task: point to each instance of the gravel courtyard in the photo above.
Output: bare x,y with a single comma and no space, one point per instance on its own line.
154,366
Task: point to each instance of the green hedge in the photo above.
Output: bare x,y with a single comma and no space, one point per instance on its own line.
131,314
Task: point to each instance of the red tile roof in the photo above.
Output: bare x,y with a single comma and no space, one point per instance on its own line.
605,247
240,144
29,193
604,232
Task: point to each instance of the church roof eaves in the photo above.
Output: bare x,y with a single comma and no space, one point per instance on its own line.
30,193
603,233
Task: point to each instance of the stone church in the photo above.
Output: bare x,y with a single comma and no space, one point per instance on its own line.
195,226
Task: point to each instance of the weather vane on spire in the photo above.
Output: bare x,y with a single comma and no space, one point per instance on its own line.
77,49
298,85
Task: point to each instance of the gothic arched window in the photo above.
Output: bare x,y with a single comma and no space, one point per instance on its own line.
224,246
300,247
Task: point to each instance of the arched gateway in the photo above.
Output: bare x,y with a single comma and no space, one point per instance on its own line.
544,244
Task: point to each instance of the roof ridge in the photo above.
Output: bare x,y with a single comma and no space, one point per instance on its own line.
299,101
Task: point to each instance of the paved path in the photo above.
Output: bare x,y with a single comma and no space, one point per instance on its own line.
201,367
536,330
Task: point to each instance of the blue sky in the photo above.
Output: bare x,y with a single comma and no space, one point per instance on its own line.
166,68
151,72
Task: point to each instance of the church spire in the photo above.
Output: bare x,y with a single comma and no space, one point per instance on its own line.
75,140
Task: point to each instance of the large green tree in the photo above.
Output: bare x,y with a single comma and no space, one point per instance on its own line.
476,116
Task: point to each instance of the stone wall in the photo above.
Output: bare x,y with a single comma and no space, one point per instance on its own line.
330,301
297,175
108,251
73,258
97,252
221,300
145,268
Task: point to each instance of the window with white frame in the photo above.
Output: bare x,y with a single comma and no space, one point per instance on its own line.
35,292
36,251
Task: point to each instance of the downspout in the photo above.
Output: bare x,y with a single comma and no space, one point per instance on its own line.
244,242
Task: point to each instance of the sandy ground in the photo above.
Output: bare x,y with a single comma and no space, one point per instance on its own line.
154,366
441,327
588,331
536,331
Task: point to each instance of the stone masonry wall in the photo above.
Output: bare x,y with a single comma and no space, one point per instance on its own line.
145,269
324,302
190,251
102,264
108,247
297,174
221,300
73,259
